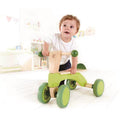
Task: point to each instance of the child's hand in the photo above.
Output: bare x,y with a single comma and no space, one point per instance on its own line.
73,70
45,53
74,65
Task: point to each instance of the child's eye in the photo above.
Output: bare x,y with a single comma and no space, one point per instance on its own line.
71,26
64,25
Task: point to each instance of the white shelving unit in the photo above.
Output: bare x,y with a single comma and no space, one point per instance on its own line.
39,63
30,35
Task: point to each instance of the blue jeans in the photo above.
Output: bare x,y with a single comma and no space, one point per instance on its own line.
64,67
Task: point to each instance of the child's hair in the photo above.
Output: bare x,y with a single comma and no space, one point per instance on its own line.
70,17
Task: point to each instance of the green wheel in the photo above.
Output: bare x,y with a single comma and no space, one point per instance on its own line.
81,66
63,96
44,93
71,84
98,87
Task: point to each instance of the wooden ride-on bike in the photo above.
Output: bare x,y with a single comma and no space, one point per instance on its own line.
62,93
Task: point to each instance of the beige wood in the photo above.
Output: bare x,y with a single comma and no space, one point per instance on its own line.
54,61
53,91
88,85
66,53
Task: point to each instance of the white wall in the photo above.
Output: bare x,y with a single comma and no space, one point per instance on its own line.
97,51
100,51
9,28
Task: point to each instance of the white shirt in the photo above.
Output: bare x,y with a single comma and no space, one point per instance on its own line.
57,44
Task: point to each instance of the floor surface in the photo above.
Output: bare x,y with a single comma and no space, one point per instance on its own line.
18,97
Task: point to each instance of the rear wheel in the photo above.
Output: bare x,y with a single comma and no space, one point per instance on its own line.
81,66
98,87
71,84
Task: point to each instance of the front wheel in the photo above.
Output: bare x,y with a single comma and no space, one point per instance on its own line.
63,96
98,87
44,93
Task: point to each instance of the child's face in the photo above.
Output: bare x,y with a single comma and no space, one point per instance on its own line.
68,28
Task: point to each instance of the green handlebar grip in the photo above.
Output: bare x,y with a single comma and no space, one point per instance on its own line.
40,54
74,53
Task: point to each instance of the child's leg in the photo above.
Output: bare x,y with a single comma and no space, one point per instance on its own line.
64,67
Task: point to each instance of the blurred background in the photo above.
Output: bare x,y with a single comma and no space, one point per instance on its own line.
23,30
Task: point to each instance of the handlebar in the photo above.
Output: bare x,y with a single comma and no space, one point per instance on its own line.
74,53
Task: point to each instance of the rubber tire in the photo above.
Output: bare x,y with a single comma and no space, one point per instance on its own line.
63,96
98,87
71,84
44,93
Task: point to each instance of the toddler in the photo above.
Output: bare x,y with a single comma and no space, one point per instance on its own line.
65,42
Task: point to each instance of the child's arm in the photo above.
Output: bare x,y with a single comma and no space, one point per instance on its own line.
45,50
74,65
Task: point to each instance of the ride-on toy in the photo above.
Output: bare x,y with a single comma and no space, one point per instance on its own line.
62,93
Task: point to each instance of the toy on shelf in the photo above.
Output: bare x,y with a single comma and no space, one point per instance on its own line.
62,93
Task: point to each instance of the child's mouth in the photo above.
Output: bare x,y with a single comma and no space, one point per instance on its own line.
66,32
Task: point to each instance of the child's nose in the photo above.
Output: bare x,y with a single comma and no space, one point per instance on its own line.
67,27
